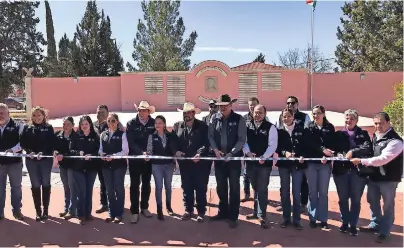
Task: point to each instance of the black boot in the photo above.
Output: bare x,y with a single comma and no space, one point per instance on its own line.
160,215
169,209
46,191
36,196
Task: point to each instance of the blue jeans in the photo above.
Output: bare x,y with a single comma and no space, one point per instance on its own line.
297,178
39,172
84,184
350,186
387,191
69,190
246,181
259,176
14,173
318,179
115,185
163,174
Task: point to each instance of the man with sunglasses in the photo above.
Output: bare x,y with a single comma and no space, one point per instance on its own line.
303,120
212,110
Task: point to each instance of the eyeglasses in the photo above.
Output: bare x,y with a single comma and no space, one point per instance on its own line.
111,121
290,103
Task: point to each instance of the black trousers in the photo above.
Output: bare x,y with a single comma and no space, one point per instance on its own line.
228,178
103,190
194,183
140,171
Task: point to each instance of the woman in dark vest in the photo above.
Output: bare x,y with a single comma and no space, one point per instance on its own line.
321,145
84,171
113,142
38,138
62,143
292,143
162,143
352,142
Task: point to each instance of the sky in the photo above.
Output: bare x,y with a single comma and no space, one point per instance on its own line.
233,32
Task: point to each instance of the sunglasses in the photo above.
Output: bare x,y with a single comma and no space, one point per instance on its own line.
111,121
290,103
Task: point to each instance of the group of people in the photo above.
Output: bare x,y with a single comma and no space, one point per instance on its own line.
223,134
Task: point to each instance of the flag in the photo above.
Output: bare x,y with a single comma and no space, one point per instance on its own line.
312,3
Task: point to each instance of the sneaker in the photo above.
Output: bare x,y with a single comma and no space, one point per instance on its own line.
200,218
134,219
117,220
324,225
343,228
369,228
353,231
63,214
186,216
279,208
68,216
251,217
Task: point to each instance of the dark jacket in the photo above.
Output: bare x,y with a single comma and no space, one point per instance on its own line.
137,135
195,142
363,149
320,139
207,118
297,144
38,138
89,145
155,147
112,146
8,139
62,147
257,140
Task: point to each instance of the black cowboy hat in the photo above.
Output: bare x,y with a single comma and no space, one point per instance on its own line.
225,99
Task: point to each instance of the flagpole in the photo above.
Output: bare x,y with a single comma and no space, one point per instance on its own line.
312,57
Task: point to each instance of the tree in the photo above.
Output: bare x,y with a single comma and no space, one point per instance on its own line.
296,59
371,35
395,108
50,65
260,58
159,44
94,52
20,43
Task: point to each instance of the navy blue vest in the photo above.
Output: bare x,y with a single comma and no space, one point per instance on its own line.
112,146
8,139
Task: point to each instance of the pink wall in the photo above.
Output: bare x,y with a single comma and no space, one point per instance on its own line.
337,92
341,91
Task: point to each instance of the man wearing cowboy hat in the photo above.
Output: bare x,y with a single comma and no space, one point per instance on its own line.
212,110
227,136
137,131
193,142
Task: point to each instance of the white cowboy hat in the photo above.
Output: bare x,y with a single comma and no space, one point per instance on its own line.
145,105
188,106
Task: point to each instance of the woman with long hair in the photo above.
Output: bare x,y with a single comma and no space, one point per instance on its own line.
62,143
113,142
84,170
321,145
37,139
162,143
292,143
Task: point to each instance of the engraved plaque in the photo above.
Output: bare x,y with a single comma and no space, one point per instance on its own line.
211,84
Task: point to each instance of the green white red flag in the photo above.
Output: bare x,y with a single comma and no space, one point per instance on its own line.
312,3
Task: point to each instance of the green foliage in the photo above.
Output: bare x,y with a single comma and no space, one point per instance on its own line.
20,43
260,58
159,44
395,108
371,36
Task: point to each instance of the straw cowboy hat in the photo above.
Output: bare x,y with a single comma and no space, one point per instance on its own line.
225,99
188,106
145,105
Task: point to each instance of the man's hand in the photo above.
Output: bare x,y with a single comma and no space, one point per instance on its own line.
228,156
356,161
179,154
145,154
59,157
251,155
262,160
196,158
86,157
289,154
301,160
31,155
109,159
39,156
324,160
348,155
101,154
327,152
218,153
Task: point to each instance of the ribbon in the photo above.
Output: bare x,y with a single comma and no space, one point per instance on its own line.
22,155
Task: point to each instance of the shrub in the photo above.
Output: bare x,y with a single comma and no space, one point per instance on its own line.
395,108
